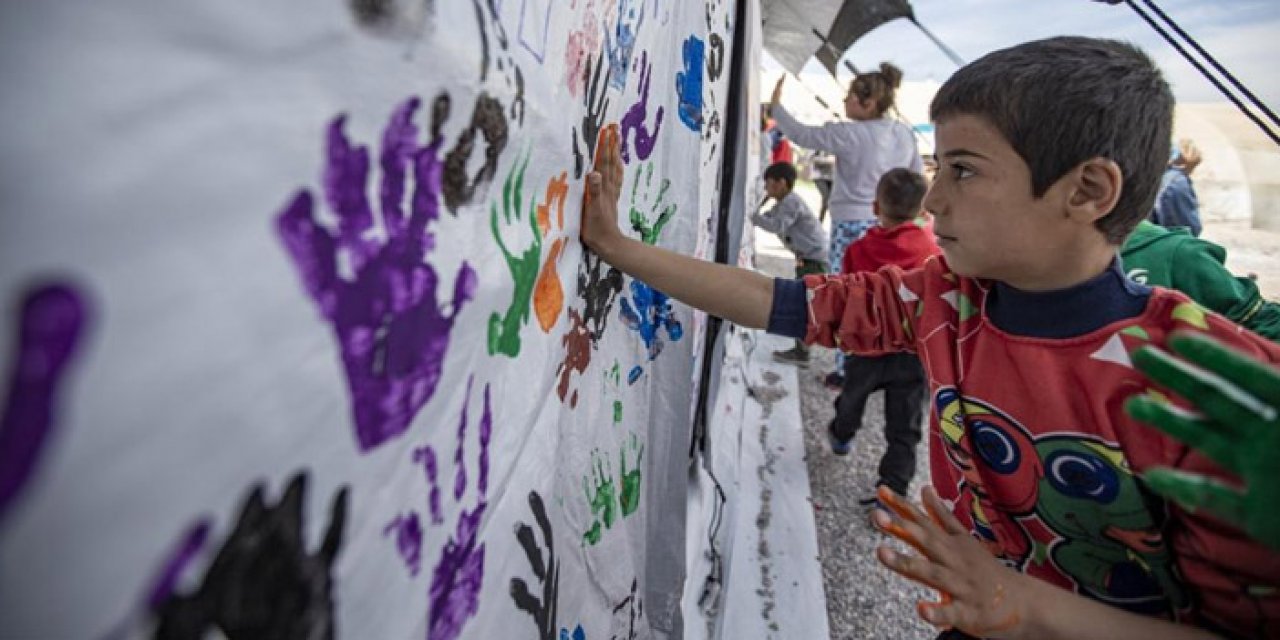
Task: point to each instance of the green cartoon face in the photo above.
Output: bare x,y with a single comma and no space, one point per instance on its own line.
1088,494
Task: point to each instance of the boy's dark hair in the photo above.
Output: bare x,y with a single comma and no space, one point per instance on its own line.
1061,101
782,171
900,193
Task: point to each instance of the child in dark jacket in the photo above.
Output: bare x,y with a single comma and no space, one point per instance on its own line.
903,238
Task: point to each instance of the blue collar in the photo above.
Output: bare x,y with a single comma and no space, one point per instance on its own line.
1070,312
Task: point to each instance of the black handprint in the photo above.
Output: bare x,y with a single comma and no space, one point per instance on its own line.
544,609
488,119
263,583
635,607
599,289
596,100
715,57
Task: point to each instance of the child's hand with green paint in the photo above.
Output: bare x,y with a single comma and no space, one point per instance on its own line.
1238,427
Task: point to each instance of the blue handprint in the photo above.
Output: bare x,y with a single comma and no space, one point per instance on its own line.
689,83
648,312
391,329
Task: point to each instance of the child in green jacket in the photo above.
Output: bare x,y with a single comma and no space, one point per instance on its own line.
1174,259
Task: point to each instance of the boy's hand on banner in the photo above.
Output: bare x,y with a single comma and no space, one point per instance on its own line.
604,185
1238,426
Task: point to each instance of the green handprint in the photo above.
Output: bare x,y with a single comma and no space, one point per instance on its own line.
640,222
504,330
630,498
1238,427
602,499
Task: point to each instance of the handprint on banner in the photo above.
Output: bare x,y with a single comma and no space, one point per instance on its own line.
407,530
629,498
583,45
596,100
392,331
604,493
650,225
505,62
715,57
548,292
488,121
602,496
648,312
504,329
576,634
689,83
634,120
426,456
577,347
50,326
457,577
620,40
263,583
544,609
635,609
599,288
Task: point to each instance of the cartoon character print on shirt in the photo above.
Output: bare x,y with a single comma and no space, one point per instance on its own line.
1112,545
984,446
1103,533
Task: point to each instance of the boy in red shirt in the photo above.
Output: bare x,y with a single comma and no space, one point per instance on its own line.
1040,523
903,238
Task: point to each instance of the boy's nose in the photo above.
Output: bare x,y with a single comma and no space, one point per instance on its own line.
933,200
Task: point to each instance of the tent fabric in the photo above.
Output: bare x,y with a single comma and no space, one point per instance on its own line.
796,30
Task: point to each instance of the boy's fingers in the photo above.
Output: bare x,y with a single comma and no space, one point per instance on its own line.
1254,377
1230,406
919,569
967,618
1187,428
940,513
900,505
1195,492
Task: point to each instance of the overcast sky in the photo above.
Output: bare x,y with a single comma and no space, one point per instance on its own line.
1244,35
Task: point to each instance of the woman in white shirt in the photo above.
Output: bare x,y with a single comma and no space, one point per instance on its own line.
866,147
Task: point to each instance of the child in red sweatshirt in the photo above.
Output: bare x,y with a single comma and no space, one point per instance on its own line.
903,238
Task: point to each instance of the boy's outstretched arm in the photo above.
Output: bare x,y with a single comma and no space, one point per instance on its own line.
983,598
737,295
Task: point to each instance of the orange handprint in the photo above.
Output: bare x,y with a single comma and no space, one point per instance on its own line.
548,293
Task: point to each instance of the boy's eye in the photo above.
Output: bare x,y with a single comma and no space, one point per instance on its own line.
960,171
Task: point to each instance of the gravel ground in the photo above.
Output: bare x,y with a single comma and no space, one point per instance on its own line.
865,601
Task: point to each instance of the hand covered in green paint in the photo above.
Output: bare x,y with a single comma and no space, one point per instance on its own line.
1238,427
504,329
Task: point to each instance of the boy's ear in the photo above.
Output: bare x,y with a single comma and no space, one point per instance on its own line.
1094,190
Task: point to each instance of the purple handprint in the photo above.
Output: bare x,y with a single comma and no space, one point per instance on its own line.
634,120
650,314
49,331
390,327
456,580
